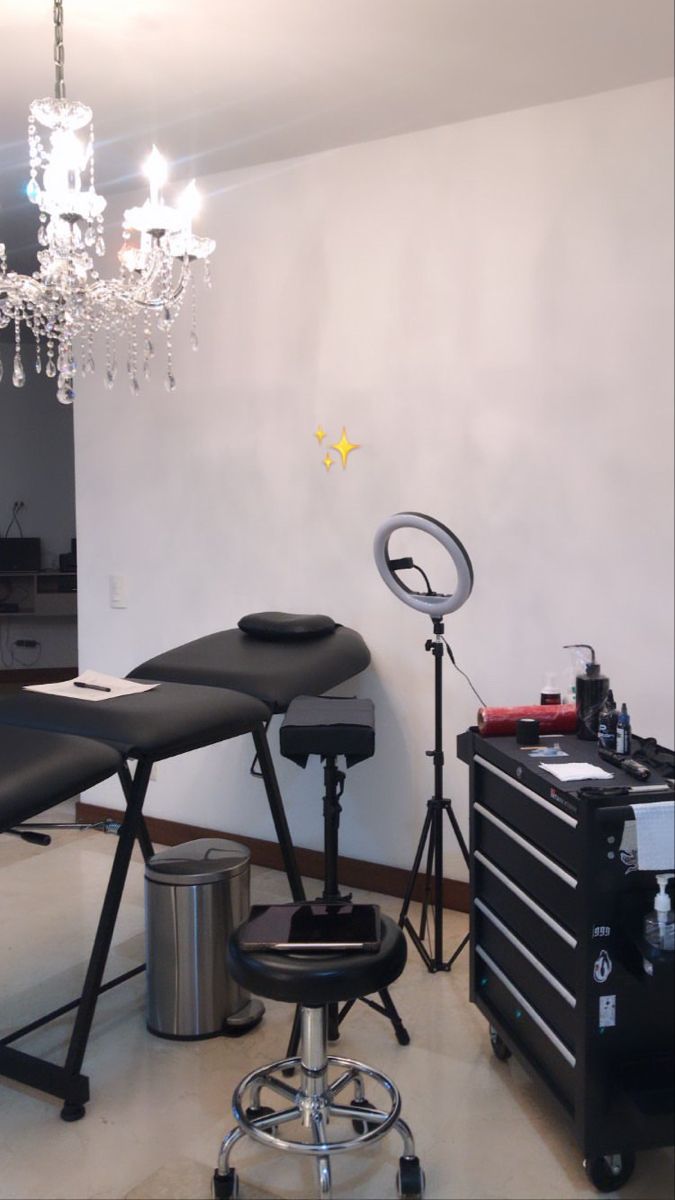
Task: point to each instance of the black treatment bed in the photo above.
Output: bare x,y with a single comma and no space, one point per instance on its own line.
214,688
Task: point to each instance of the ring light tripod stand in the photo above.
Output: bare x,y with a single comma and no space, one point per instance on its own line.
436,606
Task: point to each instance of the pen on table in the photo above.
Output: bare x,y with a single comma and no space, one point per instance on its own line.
93,687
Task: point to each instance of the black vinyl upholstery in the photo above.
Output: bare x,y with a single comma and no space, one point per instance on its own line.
169,720
315,979
41,769
273,671
328,726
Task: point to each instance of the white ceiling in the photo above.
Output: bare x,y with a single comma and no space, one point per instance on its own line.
225,83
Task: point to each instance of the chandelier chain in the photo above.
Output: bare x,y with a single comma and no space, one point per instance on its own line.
59,52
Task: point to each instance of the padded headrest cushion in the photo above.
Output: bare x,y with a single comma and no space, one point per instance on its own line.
281,627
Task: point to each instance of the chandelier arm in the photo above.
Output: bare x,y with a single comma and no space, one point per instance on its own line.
59,52
19,288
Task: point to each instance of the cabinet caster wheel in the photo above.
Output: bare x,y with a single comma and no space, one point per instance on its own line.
499,1047
73,1112
410,1177
610,1171
362,1126
225,1187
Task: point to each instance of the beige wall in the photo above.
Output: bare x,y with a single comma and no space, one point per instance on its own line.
487,308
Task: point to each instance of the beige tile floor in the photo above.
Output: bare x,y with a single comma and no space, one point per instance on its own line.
159,1109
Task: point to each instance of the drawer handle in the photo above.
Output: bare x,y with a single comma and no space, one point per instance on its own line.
532,1012
536,853
520,787
532,958
540,912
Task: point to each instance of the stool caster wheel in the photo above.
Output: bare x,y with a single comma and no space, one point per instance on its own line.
362,1126
225,1187
402,1035
499,1047
73,1112
610,1171
410,1177
261,1110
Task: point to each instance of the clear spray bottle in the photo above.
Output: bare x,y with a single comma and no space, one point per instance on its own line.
659,924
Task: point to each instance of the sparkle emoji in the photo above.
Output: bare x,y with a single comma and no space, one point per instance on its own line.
344,447
319,433
328,461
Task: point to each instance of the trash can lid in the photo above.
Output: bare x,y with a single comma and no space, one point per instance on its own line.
205,860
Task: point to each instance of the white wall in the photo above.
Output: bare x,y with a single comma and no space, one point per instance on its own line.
487,308
36,466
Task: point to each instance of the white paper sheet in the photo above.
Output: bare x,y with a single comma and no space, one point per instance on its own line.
99,687
571,772
655,827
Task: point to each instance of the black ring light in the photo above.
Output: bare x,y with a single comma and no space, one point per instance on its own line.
434,605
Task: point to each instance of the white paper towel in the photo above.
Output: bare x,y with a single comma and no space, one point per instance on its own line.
655,828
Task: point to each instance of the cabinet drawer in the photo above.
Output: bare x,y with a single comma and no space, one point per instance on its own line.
541,987
529,813
554,945
537,1041
553,887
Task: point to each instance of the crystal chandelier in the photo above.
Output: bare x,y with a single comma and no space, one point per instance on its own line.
64,304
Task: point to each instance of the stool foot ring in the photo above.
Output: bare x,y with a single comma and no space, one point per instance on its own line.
314,1105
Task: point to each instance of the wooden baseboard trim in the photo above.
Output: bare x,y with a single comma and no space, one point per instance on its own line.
354,872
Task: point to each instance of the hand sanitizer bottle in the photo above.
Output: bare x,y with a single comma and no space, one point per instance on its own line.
659,924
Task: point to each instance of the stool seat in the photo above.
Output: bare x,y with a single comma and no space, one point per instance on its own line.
273,671
41,769
318,979
169,720
328,726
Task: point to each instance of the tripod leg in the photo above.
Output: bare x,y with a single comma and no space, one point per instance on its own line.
415,869
402,1035
428,881
447,804
294,1039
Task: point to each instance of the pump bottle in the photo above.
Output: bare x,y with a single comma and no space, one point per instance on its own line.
659,926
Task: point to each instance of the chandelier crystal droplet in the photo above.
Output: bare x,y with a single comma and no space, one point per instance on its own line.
63,304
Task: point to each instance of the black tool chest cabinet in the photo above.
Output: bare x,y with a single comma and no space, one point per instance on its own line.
558,964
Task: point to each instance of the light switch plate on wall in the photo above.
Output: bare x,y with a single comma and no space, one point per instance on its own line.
117,587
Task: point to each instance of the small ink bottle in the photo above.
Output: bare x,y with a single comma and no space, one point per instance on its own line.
623,731
607,722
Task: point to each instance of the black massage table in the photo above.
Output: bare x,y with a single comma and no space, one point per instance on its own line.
40,770
273,670
214,688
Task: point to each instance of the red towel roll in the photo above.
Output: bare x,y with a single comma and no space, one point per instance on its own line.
552,718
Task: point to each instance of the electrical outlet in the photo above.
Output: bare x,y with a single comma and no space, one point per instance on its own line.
117,587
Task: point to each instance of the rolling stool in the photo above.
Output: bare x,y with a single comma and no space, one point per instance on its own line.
329,726
315,981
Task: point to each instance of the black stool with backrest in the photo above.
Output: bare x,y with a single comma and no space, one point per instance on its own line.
314,982
331,726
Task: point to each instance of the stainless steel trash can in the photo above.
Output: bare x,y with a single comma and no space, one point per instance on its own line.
195,895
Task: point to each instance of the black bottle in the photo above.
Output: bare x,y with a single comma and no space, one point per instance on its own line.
623,732
607,723
592,687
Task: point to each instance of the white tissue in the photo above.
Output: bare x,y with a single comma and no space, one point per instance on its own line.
655,827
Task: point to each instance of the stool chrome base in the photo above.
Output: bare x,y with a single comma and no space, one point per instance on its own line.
315,1104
